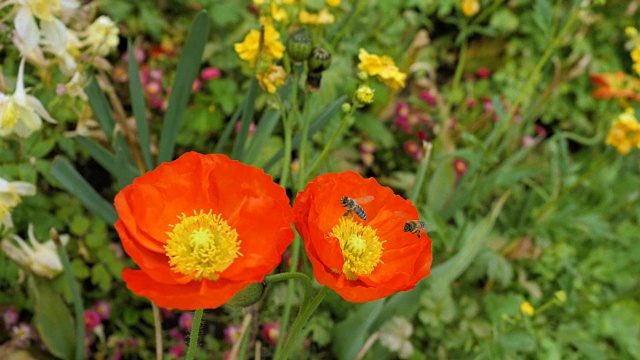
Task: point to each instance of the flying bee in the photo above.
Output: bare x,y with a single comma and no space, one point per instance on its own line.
353,207
414,227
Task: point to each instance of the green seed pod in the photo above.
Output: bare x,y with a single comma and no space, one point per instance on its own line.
319,61
300,45
247,296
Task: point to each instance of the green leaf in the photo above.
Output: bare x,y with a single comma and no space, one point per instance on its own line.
266,125
125,170
351,333
248,108
101,277
139,107
188,67
52,319
100,106
103,156
64,172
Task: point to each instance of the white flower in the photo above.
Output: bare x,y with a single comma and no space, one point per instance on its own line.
10,193
21,113
51,28
40,258
395,334
102,36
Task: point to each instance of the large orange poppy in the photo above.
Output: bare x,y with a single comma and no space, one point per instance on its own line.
361,260
201,228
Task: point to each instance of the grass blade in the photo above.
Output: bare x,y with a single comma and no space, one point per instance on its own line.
103,156
100,106
248,108
139,108
188,67
64,172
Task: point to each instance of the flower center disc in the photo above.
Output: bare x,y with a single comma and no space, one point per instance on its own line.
361,247
202,245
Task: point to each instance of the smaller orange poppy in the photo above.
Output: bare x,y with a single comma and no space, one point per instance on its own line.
363,252
201,228
615,85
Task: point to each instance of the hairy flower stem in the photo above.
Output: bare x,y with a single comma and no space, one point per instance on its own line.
302,151
157,326
307,309
195,332
286,162
327,147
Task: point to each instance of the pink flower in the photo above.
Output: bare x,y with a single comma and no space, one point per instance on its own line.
483,73
103,309
412,148
428,97
174,333
232,333
271,332
10,317
460,167
471,103
368,146
196,85
210,73
91,319
22,334
252,128
177,350
487,104
185,321
402,109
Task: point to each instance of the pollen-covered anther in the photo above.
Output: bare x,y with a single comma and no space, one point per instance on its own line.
361,247
202,245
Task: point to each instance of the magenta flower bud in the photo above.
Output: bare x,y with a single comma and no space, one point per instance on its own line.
153,88
483,73
487,104
460,167
91,319
210,73
412,148
232,333
177,350
103,309
541,131
185,321
176,334
252,128
196,85
471,103
155,74
271,332
10,317
402,110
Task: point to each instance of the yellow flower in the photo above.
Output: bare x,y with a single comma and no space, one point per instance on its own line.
364,94
334,3
102,36
527,309
249,49
10,193
383,68
624,133
470,7
278,14
273,77
324,17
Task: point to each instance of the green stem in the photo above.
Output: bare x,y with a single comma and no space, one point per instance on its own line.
289,276
157,329
347,25
327,147
303,316
302,150
286,162
78,307
195,332
420,175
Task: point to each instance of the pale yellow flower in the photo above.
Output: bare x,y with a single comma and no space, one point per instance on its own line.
273,77
624,134
40,258
10,197
364,94
324,17
383,68
249,49
102,36
395,335
51,28
21,113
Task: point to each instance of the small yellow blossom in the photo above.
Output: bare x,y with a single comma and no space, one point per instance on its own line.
249,49
630,31
273,77
364,94
470,7
383,68
102,36
334,3
624,133
278,14
527,309
258,2
324,17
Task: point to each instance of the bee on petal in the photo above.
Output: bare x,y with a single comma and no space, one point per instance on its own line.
353,206
414,227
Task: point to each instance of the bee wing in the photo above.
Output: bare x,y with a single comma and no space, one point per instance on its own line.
364,199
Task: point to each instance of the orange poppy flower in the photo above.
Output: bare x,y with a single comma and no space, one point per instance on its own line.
201,228
363,252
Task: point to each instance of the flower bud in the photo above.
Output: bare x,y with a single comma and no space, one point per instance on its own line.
247,296
319,60
300,45
364,95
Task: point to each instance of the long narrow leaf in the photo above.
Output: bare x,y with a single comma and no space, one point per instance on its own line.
124,169
64,172
139,107
248,108
266,125
103,156
100,106
226,133
188,67
319,123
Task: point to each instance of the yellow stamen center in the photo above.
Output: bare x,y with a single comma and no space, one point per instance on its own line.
202,245
10,116
361,247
